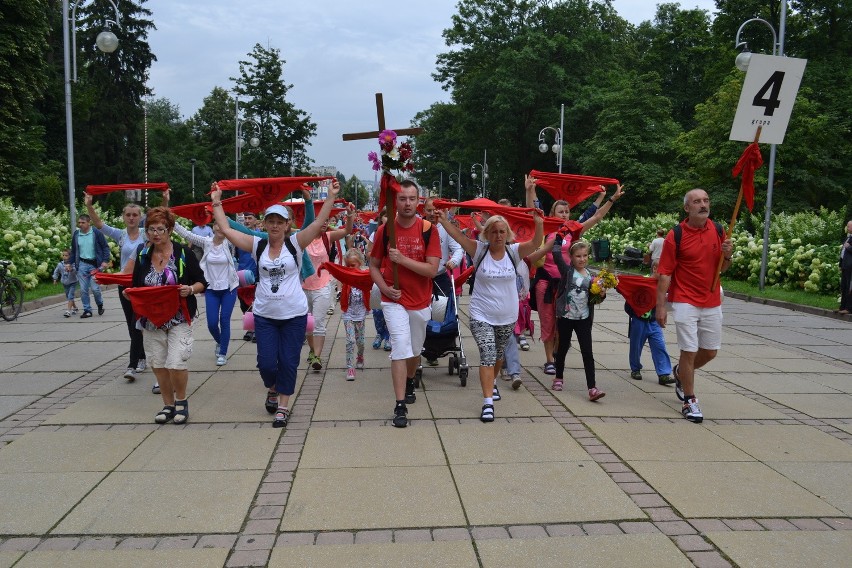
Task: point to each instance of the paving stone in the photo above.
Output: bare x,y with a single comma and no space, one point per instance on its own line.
633,527
412,535
225,541
98,543
173,542
272,499
374,537
262,526
810,524
245,558
486,533
672,528
743,524
137,543
601,528
450,534
709,525
691,543
839,524
564,530
636,488
778,525
337,537
255,542
649,500
708,560
527,531
295,539
63,544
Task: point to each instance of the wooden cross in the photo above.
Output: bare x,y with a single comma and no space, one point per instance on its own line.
390,200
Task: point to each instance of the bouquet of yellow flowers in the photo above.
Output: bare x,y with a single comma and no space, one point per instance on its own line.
600,284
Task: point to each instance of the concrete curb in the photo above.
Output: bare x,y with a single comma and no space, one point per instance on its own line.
790,306
53,300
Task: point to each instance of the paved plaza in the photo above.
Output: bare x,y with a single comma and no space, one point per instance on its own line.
88,479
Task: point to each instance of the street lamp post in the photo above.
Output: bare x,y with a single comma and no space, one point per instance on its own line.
456,183
483,168
106,42
239,141
742,62
559,135
192,163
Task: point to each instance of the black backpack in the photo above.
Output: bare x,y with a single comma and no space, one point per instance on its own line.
678,235
261,246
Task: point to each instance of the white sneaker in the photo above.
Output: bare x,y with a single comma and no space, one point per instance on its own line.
220,360
130,374
516,382
141,365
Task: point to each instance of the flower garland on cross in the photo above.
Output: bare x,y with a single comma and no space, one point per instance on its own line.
394,156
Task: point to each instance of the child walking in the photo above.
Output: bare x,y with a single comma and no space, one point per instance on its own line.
354,303
574,312
65,273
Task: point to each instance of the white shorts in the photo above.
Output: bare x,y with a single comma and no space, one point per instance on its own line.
697,328
168,349
407,330
318,303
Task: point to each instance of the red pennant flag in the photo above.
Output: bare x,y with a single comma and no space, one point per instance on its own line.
464,222
388,182
367,216
355,277
246,202
639,292
749,162
158,303
270,186
101,189
522,223
119,278
478,204
464,275
570,187
198,213
246,294
298,208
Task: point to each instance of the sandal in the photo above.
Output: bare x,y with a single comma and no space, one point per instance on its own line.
557,384
487,413
181,411
166,414
155,389
281,418
549,369
271,403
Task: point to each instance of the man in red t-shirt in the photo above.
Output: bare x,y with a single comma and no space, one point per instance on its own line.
406,311
686,276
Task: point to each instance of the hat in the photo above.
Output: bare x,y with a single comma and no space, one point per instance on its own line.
277,210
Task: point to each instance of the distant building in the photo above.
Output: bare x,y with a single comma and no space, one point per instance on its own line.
322,191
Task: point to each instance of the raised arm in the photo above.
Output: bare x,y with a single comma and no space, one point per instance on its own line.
312,231
193,239
469,245
558,259
96,220
604,209
529,188
542,250
238,239
345,230
528,247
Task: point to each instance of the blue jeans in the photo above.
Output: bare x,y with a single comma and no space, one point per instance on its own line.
648,330
84,276
220,304
279,348
511,359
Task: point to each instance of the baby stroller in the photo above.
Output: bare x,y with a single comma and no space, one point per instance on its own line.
443,338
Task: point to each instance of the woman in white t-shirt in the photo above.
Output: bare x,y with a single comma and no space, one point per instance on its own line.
494,301
217,262
280,307
656,249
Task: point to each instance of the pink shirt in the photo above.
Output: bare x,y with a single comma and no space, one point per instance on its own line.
318,255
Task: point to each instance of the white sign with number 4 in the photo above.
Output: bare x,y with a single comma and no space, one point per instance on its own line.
767,98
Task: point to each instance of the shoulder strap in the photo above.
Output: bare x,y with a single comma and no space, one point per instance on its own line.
289,244
427,233
325,243
261,246
678,234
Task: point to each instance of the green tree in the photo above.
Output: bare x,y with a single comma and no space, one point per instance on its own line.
355,192
213,131
285,130
24,30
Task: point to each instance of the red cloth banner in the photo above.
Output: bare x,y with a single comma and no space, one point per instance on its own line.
158,303
388,182
198,213
101,189
464,276
119,278
355,277
246,293
639,292
570,187
464,222
367,216
749,162
478,204
269,186
298,208
522,222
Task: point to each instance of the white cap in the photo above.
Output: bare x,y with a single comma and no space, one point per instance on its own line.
277,209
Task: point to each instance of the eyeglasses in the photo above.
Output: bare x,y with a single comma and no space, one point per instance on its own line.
156,230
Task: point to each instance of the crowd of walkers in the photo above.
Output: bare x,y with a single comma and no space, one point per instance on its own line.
408,265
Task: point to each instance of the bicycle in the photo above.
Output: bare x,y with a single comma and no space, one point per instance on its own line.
11,293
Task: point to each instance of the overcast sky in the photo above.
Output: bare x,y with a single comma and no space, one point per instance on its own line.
338,54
